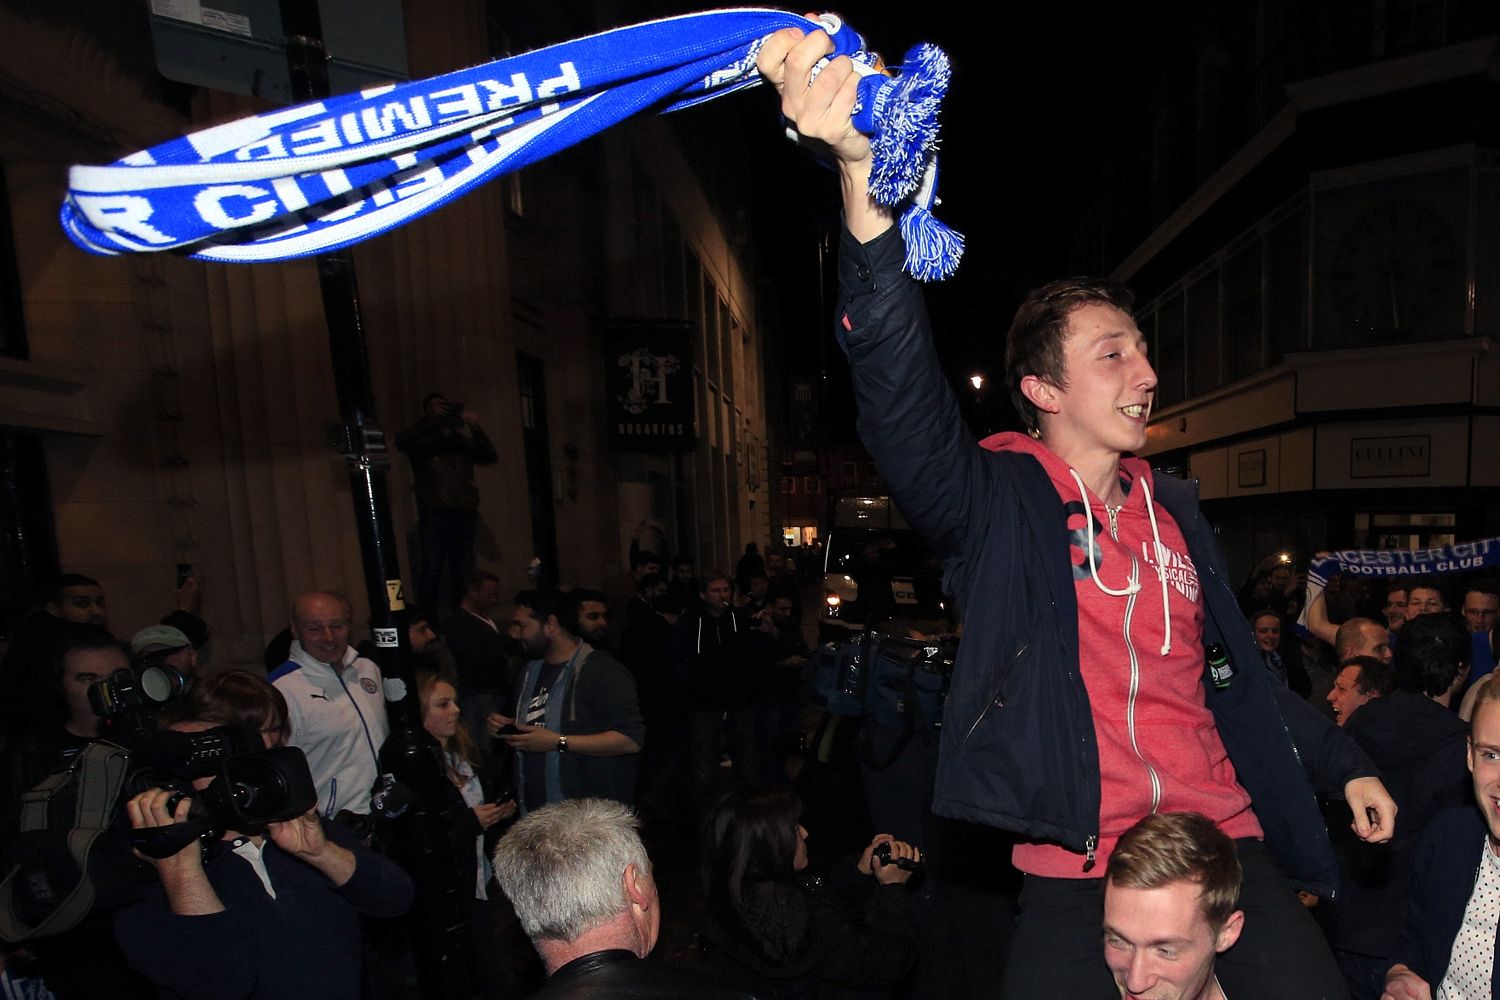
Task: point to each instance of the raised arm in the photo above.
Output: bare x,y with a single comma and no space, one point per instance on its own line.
820,111
908,417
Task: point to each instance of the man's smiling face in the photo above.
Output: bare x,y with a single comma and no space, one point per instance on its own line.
1109,385
1484,763
1159,945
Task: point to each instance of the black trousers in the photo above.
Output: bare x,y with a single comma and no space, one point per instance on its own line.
1058,948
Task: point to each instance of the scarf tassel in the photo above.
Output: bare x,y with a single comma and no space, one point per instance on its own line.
900,114
933,249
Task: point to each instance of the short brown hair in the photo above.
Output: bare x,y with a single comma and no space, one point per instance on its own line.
1034,345
1174,847
1375,676
236,698
1488,691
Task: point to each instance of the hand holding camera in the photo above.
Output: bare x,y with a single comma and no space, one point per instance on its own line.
891,861
162,807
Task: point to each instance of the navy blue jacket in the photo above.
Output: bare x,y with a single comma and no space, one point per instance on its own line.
303,943
1447,866
1018,746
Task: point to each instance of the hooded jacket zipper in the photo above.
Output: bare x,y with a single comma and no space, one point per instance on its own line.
1135,664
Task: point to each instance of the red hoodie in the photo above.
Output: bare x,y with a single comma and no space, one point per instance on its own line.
1141,659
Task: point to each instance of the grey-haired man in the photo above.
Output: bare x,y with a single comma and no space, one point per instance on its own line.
581,884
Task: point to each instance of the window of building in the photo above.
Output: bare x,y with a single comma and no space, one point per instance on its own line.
1244,328
727,341
711,339
1204,343
693,285
1171,370
671,256
28,536
1406,531
1286,285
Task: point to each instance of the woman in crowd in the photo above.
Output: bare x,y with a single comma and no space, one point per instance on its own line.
851,934
479,809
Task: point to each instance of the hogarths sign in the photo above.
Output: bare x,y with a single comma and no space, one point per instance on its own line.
648,374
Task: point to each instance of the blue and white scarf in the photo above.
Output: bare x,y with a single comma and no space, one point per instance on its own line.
319,176
1464,557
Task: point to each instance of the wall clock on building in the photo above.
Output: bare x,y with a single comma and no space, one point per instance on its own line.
1396,273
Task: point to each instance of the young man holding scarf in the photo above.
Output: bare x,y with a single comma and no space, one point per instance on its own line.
1091,589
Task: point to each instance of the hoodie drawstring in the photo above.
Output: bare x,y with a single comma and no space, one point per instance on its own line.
1134,585
1161,571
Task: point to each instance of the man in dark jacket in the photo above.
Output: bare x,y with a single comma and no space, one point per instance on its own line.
1419,746
581,884
444,446
720,654
576,727
481,651
1449,935
258,915
1091,589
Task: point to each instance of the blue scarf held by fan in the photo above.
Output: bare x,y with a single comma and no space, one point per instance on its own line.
320,176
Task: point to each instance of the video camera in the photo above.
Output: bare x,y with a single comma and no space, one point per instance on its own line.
72,851
128,700
253,786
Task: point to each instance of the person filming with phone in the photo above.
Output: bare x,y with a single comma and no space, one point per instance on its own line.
791,932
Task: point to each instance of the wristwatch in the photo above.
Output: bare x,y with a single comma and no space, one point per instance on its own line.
562,744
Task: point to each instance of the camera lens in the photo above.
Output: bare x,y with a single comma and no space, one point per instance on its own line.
161,684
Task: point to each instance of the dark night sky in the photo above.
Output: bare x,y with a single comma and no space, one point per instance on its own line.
1043,97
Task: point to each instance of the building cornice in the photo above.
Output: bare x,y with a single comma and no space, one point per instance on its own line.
1480,56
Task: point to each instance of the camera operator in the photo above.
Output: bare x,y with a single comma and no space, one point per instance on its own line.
62,722
265,913
444,446
80,963
792,936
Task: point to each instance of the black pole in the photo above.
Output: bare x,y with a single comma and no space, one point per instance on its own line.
423,837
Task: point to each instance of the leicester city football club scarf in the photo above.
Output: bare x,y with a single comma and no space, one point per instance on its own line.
1388,563
319,176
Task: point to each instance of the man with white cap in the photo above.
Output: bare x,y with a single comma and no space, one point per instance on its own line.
166,646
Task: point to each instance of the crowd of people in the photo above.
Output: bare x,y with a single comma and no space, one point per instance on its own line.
584,711
548,705
1141,782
